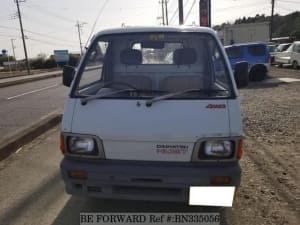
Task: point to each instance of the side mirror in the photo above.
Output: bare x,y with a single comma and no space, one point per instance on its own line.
241,75
68,75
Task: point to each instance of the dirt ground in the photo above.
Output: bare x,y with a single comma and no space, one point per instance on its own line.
270,190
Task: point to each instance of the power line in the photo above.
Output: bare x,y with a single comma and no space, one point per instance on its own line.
255,11
225,10
10,28
286,9
189,12
41,41
48,42
237,7
57,16
96,20
172,4
177,10
43,23
287,1
8,35
134,8
51,7
246,14
47,36
173,16
37,33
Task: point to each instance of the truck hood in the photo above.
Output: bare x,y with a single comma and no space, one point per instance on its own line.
131,130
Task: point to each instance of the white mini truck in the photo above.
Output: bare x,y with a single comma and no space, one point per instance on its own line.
153,113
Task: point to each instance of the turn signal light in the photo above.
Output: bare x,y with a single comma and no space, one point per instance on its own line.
77,174
240,149
217,180
62,144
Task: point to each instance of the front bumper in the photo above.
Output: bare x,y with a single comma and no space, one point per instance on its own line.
153,181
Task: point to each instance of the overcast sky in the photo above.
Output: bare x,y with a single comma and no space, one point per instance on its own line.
50,24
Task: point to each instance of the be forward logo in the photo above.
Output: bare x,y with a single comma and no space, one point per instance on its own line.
216,106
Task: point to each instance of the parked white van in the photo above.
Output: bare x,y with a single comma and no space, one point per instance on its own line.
152,113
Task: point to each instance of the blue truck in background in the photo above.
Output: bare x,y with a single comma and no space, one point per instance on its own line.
255,54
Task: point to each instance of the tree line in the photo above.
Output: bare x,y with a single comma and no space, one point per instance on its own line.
41,61
283,26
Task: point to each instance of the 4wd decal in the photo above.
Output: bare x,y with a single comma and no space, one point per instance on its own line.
216,106
171,149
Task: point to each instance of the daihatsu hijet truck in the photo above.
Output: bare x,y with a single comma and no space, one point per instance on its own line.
152,114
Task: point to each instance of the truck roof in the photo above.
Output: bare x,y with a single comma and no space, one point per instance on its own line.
137,29
245,44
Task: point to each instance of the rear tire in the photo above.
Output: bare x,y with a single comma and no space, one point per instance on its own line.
242,78
295,65
280,65
258,73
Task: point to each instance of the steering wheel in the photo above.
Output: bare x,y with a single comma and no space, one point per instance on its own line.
120,83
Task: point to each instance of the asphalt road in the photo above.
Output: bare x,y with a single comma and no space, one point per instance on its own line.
32,192
21,105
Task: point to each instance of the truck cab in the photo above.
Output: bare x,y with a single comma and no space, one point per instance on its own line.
152,112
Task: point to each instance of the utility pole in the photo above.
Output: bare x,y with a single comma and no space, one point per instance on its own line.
180,11
79,25
162,12
13,48
166,7
272,18
209,18
23,37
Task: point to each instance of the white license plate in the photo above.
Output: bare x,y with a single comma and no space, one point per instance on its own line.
211,196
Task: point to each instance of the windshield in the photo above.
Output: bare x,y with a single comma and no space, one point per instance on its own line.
282,47
272,48
148,65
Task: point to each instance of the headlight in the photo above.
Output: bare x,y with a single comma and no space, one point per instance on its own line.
82,146
217,150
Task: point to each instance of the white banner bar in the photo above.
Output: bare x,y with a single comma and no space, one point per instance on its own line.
149,218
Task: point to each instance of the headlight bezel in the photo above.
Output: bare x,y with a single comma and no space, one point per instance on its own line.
199,150
209,144
97,153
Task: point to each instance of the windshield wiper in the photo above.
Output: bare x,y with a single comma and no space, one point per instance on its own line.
173,94
106,94
103,95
